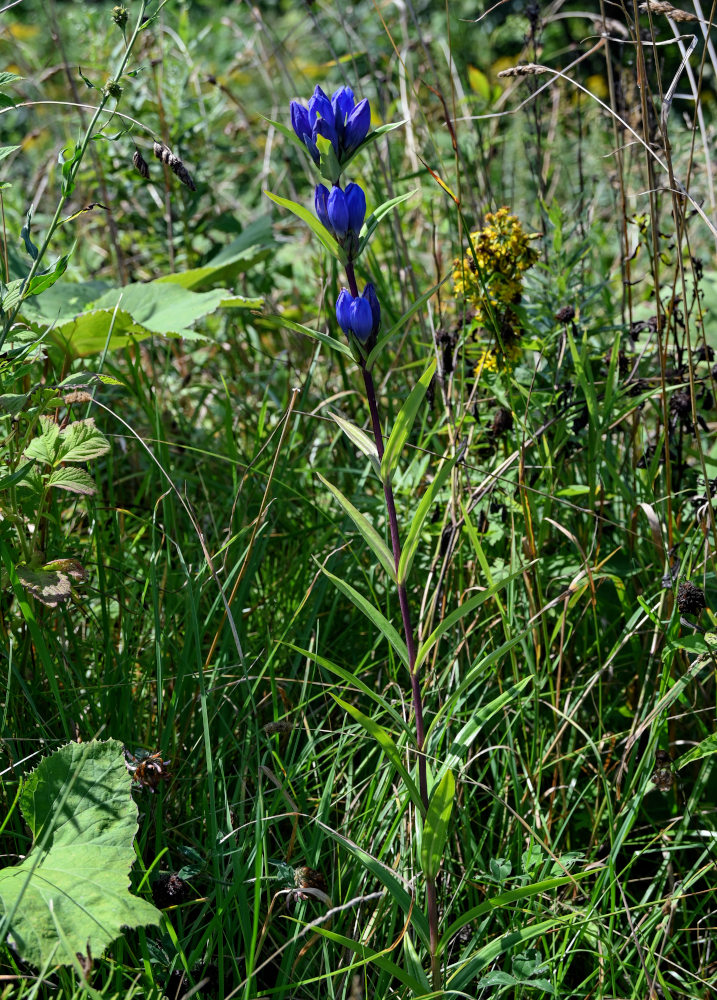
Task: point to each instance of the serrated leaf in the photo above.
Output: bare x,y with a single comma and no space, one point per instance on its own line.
313,223
12,403
43,448
404,423
73,887
435,825
73,480
387,745
49,587
81,441
367,530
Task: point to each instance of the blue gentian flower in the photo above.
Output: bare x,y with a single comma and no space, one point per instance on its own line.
360,316
321,197
338,118
338,211
356,205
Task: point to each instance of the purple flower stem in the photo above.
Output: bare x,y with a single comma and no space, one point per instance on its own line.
410,642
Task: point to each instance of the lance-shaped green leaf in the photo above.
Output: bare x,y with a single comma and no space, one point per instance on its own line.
414,532
313,223
361,439
281,322
435,825
404,423
367,530
460,612
387,745
411,311
73,887
704,749
373,614
376,216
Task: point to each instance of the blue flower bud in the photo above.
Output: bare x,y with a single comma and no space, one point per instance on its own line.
300,120
320,199
320,107
361,319
357,126
343,310
369,293
338,212
342,101
356,204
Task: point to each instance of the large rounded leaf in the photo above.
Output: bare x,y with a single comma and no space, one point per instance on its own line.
73,887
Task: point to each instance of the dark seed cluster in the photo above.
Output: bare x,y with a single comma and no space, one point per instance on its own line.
690,599
168,889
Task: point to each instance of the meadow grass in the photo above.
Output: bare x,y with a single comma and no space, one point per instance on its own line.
578,863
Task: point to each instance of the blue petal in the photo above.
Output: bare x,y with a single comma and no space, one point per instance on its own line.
320,199
299,119
361,319
338,212
356,203
369,293
343,310
357,126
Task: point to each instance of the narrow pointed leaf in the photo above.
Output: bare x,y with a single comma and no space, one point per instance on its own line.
313,223
435,825
414,532
361,439
373,614
404,423
387,745
367,530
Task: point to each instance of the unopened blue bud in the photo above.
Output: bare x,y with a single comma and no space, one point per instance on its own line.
361,319
356,204
343,310
342,101
338,212
369,293
321,196
357,126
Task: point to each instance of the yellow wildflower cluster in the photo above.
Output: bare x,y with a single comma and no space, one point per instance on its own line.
490,276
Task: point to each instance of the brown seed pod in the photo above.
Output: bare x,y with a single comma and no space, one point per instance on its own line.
165,154
140,164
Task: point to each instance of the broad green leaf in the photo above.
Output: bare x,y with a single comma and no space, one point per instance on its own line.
44,279
404,423
123,316
73,887
313,223
373,614
413,537
435,825
460,612
73,480
367,530
239,256
43,448
704,749
12,403
387,745
358,437
7,150
52,583
81,441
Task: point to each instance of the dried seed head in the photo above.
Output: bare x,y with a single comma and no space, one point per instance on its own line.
502,421
165,154
659,7
168,889
140,164
526,69
565,314
690,599
78,396
282,726
308,878
662,776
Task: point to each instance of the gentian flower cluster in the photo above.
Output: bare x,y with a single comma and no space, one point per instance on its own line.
332,130
338,118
